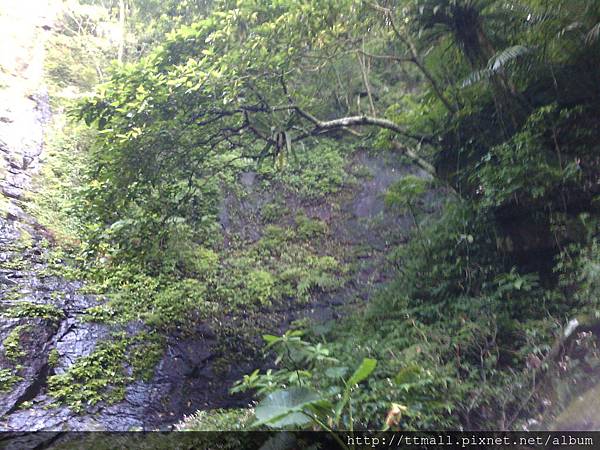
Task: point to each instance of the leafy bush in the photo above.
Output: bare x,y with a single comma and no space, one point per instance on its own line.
259,287
8,379
97,377
271,212
521,170
217,420
200,262
315,173
289,401
274,239
309,228
53,358
27,309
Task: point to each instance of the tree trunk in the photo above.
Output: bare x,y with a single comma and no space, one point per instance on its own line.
122,28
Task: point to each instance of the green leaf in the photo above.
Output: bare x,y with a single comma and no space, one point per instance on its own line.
501,58
496,62
476,77
270,339
364,370
284,407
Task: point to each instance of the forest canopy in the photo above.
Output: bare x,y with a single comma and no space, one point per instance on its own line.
251,80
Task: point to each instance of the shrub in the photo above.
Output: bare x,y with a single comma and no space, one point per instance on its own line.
309,228
259,286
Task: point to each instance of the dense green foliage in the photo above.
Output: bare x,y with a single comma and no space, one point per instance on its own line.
496,100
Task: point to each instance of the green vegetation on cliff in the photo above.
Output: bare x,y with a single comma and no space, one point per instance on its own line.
215,163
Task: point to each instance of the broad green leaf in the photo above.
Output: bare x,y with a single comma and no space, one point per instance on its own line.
283,408
269,338
364,370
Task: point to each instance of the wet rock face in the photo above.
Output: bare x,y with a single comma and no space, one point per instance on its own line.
42,327
41,331
41,316
34,344
184,380
35,348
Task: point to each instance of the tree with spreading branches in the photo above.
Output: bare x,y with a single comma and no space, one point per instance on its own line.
259,79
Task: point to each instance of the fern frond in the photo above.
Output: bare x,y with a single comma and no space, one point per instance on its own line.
592,35
507,55
496,62
476,77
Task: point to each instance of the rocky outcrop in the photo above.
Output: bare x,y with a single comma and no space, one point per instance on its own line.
40,314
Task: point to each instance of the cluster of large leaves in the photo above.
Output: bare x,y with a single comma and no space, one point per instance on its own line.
301,406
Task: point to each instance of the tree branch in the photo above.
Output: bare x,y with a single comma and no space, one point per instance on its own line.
319,127
347,122
390,57
414,157
415,58
353,121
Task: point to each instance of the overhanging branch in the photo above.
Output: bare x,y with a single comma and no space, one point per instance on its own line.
354,121
351,121
414,157
319,127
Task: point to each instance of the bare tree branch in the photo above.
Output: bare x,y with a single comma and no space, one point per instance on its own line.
348,122
317,127
415,57
365,76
